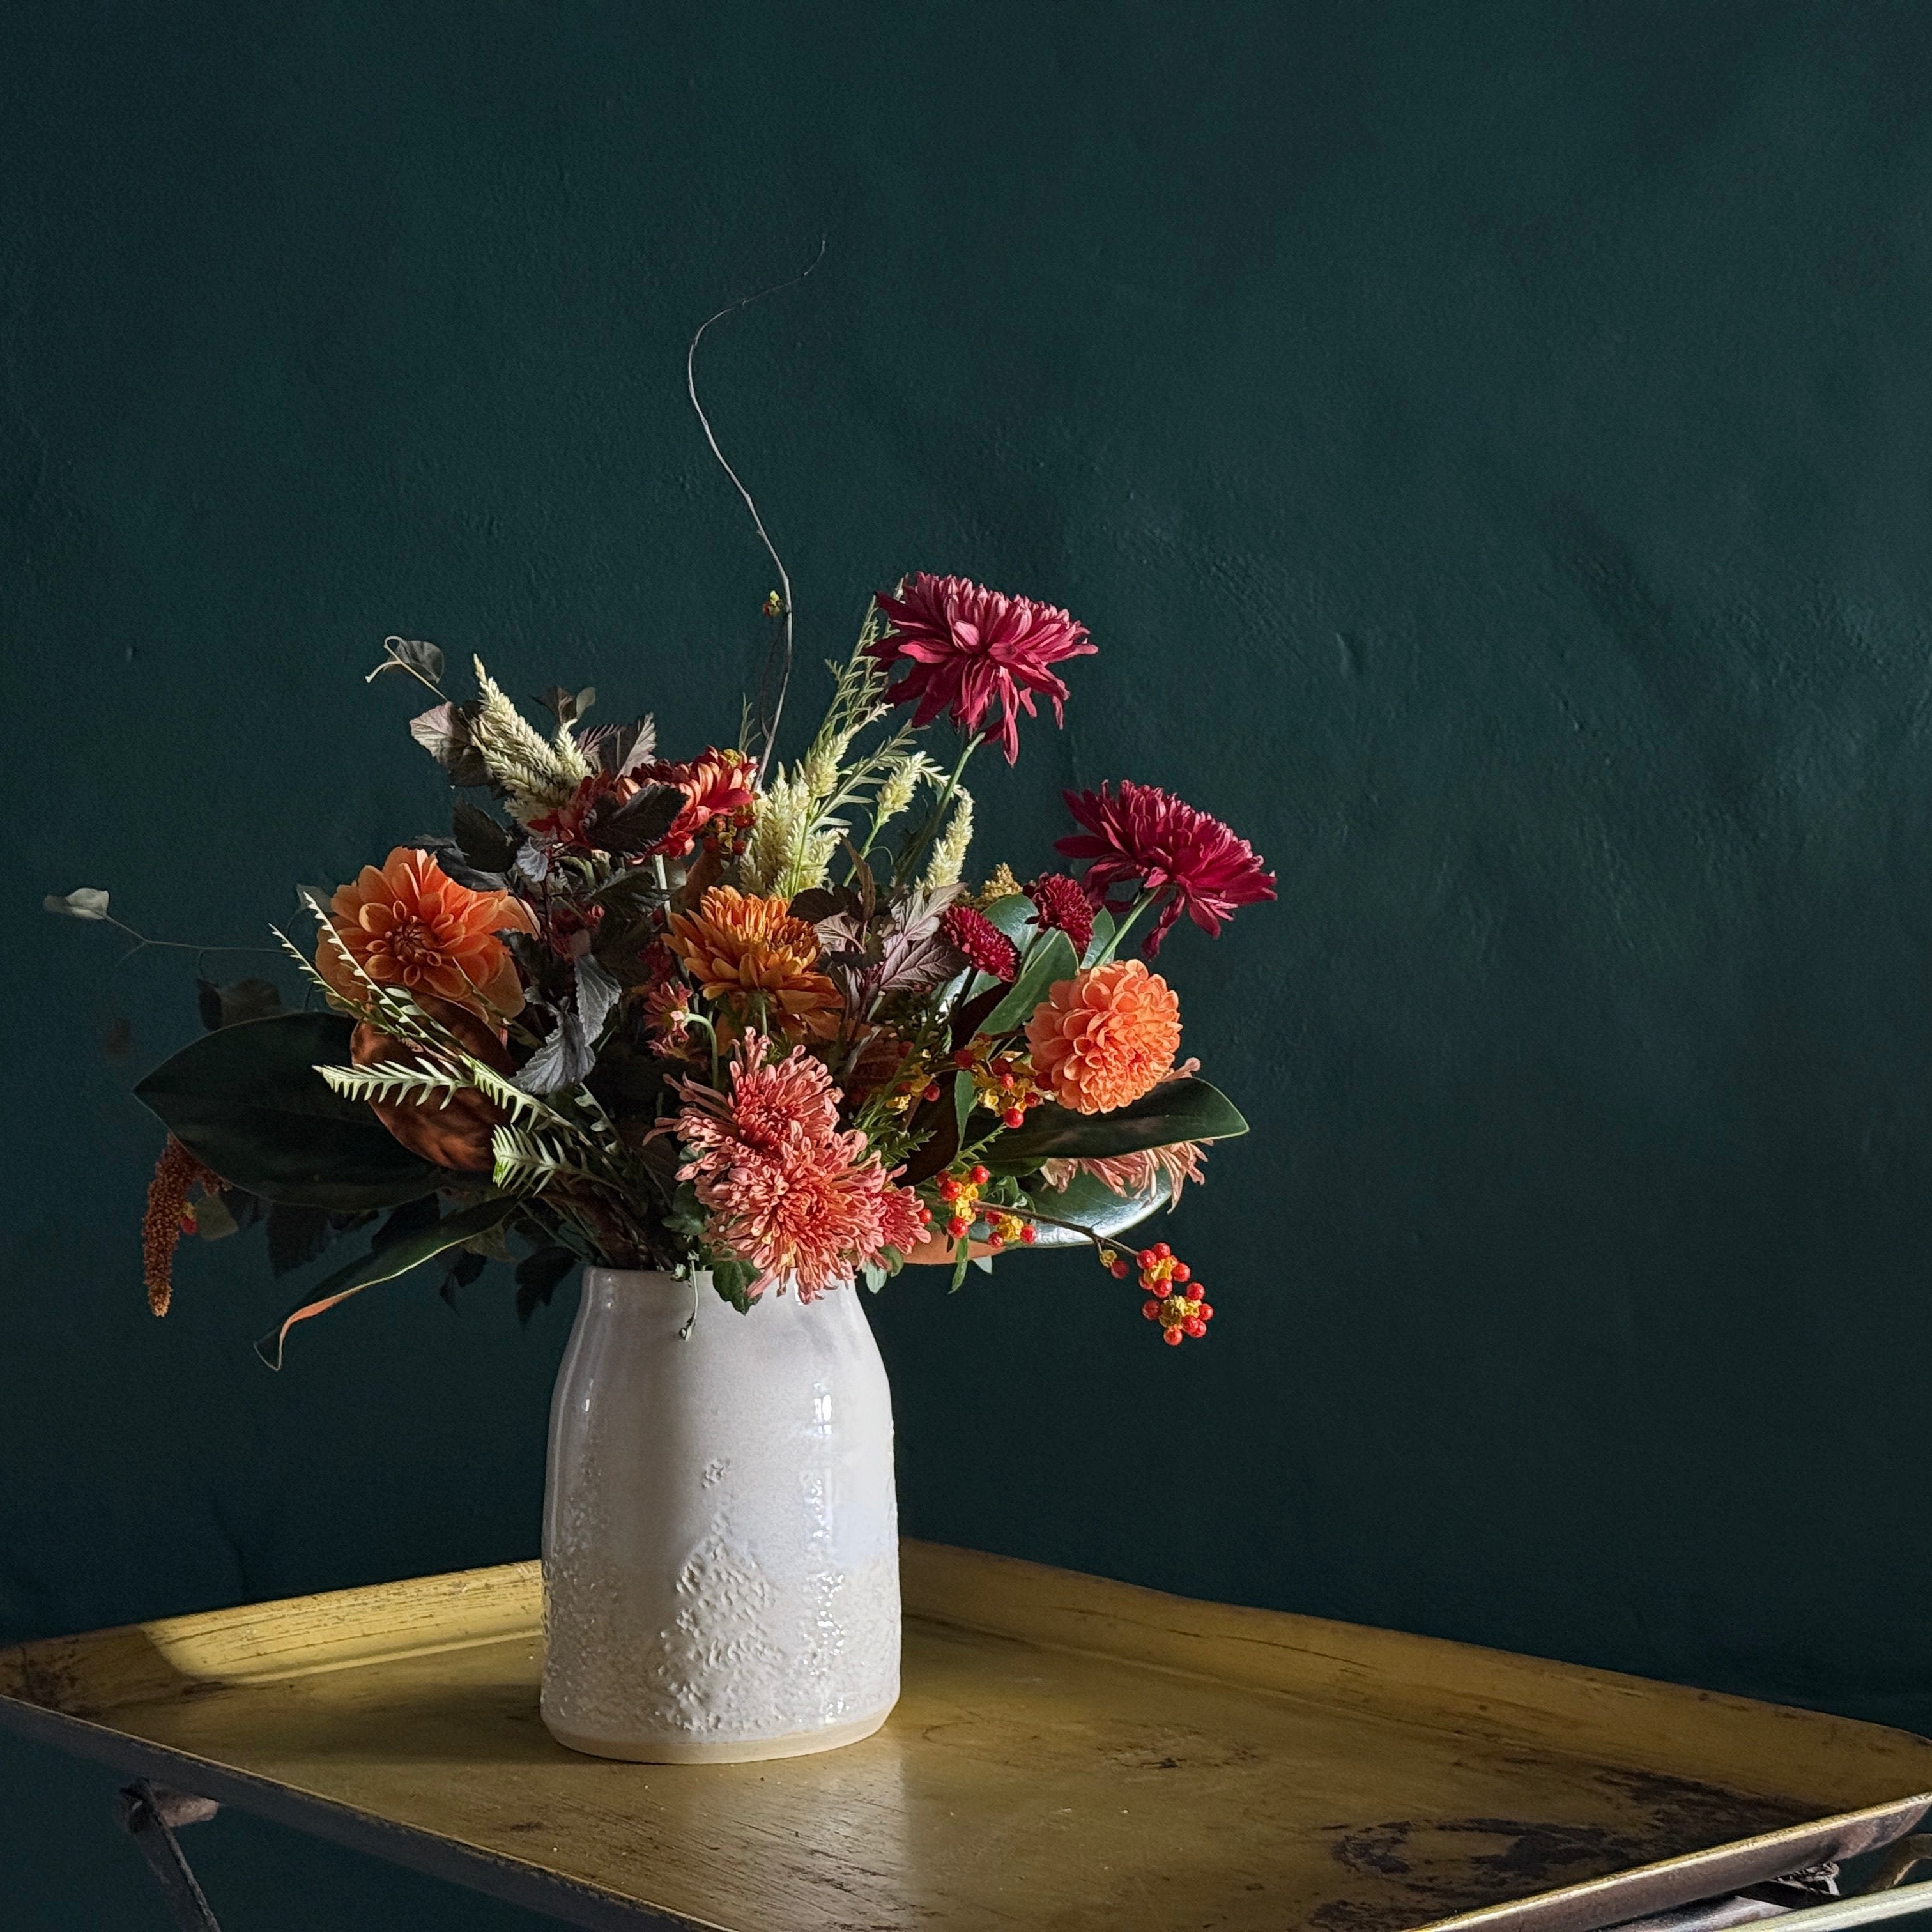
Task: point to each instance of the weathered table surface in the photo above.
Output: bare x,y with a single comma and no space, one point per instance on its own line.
1069,1753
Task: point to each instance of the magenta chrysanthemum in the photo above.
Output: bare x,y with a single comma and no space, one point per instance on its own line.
982,942
965,649
787,1191
1060,905
1141,838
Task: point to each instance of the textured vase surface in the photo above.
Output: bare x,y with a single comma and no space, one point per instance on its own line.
720,1529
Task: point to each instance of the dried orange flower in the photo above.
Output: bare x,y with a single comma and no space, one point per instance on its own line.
410,925
1103,1038
736,945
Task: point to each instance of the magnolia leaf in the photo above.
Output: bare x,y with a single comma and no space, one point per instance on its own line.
1051,959
384,1264
83,902
538,1275
246,1100
410,654
1177,1110
1089,1203
640,823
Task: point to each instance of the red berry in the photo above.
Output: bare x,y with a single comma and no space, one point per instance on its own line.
1029,1234
1014,1117
958,1226
1194,1325
1163,1250
996,1242
963,1058
1146,1257
1182,1271
979,1176
1171,1336
1151,1309
1206,1313
932,1091
1118,1270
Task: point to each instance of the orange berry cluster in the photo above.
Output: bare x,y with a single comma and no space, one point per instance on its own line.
1003,1080
731,832
1174,1297
960,1189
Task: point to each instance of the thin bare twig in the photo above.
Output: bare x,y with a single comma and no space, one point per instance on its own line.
757,522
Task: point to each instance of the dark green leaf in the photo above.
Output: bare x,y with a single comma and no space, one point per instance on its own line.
1051,959
483,839
240,1000
381,1264
537,1277
247,1101
296,1235
1177,1110
639,822
732,1280
412,1218
407,654
963,1091
1089,1203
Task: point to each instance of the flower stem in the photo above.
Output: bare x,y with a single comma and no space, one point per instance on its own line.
903,867
1125,926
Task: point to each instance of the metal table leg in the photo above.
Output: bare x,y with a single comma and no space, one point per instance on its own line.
149,1814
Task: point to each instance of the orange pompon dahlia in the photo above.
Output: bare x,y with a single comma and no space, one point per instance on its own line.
1103,1038
410,925
737,947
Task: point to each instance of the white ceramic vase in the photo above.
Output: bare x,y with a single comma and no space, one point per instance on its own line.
720,1529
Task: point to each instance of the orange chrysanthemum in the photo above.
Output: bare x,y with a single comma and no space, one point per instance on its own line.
1103,1038
737,946
411,924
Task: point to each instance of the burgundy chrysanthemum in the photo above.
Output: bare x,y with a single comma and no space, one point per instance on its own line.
965,649
1139,836
981,940
1060,905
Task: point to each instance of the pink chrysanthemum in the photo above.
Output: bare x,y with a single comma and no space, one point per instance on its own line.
965,649
982,942
787,1191
1138,836
1060,905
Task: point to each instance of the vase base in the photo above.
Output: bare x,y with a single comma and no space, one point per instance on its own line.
708,1750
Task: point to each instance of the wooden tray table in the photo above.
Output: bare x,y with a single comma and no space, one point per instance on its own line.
1070,1752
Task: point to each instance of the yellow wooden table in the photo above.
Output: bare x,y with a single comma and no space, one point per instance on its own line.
1069,1753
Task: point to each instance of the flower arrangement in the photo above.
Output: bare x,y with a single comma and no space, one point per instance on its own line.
722,1015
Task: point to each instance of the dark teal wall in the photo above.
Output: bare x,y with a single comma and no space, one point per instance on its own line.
1493,447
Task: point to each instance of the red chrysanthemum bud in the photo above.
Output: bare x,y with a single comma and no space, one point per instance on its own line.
1060,905
982,942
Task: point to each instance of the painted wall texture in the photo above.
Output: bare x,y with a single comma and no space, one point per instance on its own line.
1492,448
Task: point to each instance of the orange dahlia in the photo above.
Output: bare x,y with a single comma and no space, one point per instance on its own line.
410,925
1103,1038
737,946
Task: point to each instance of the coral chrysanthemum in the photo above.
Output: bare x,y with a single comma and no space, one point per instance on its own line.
739,948
1103,1038
788,1192
965,649
982,942
410,925
1060,905
1139,836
